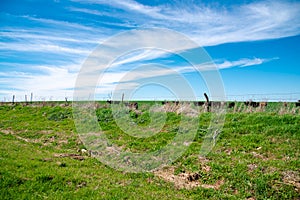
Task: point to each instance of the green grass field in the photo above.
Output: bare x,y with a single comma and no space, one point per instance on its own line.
257,156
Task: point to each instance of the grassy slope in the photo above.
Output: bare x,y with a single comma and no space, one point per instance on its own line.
257,156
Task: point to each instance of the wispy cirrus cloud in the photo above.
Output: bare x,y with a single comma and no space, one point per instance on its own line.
244,62
88,11
72,39
42,35
140,55
50,36
151,71
207,25
58,49
61,79
51,80
59,23
216,25
127,5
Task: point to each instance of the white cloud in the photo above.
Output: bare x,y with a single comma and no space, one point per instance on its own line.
155,71
244,62
42,48
217,25
56,81
58,23
42,35
206,25
137,7
139,55
126,4
60,37
88,11
59,80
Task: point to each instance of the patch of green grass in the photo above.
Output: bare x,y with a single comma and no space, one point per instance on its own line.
257,155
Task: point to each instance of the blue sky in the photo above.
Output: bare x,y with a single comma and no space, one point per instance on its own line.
254,44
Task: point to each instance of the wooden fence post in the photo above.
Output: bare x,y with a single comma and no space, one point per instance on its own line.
207,102
31,97
26,103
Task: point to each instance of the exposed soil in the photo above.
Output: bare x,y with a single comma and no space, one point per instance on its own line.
71,155
186,180
292,178
44,139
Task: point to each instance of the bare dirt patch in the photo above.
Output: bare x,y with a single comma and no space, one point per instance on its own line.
186,180
45,138
10,132
292,178
7,132
252,167
71,155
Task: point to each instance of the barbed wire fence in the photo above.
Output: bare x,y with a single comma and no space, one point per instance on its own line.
263,97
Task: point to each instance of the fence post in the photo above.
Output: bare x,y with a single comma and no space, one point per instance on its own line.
26,103
31,97
66,98
207,102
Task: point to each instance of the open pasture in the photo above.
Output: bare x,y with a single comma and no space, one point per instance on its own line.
257,155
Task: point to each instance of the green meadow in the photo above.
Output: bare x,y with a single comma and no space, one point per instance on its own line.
257,156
